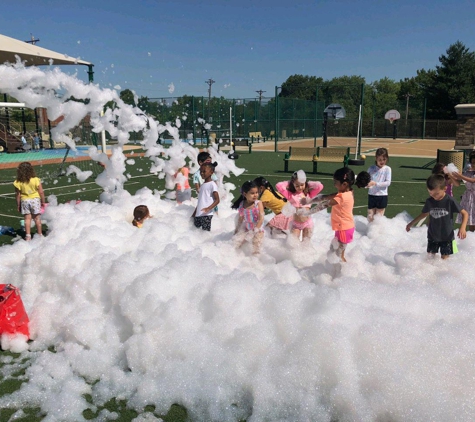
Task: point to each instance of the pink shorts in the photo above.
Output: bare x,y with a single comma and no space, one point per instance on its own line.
302,225
345,236
280,222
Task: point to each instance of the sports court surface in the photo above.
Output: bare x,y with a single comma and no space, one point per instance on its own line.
426,148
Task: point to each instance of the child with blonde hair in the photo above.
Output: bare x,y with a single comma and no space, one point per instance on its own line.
30,197
294,190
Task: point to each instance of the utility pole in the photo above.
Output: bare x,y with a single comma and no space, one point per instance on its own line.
260,92
33,41
407,104
209,82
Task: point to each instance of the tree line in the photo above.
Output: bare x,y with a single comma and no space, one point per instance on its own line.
452,82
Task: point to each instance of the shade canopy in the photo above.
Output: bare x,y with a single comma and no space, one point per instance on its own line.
32,54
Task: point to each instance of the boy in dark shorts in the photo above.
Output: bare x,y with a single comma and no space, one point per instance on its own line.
440,207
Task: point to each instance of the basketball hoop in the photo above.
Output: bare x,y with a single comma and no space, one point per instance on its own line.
392,115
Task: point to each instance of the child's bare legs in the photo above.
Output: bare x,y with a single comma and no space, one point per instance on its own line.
28,226
444,256
257,242
307,233
371,213
239,238
341,251
39,229
296,233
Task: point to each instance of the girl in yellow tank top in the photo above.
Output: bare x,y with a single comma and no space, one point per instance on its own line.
273,201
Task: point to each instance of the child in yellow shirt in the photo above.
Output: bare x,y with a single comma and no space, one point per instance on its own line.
29,196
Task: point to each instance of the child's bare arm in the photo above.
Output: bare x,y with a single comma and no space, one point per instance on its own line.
42,194
214,204
238,223
462,234
18,199
453,180
462,177
261,216
416,220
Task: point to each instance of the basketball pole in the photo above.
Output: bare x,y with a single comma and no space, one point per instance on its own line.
358,135
231,127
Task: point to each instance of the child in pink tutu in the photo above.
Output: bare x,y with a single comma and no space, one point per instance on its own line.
294,191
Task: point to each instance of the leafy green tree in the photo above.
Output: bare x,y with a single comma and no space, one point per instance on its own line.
381,96
301,87
451,83
127,96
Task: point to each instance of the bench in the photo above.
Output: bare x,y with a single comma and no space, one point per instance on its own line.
333,155
316,155
225,144
301,154
257,137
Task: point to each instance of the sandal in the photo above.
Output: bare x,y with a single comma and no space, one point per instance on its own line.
28,237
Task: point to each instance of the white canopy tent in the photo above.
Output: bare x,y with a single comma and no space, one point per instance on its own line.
32,54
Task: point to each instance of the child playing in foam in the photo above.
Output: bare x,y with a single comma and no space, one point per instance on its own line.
29,197
273,201
141,213
251,216
294,191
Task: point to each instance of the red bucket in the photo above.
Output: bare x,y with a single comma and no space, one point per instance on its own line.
13,317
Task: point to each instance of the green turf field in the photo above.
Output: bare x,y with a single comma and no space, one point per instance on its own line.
406,193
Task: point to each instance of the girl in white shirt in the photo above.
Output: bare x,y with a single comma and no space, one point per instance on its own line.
378,186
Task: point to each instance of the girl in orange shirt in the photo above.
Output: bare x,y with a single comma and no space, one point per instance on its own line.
342,208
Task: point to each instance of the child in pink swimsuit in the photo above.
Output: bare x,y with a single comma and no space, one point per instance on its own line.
251,217
294,191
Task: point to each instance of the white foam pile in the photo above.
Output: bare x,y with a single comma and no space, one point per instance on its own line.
170,314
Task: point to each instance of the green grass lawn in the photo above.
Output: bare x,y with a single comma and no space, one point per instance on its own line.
406,193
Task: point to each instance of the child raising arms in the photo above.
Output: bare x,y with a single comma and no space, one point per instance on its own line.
378,186
273,201
251,216
440,207
29,197
208,198
450,179
294,191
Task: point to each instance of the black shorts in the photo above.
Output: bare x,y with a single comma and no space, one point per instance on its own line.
204,222
379,202
445,247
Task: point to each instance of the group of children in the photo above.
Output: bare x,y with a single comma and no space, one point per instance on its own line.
302,198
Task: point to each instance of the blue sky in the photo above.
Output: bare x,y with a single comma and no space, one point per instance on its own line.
244,46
